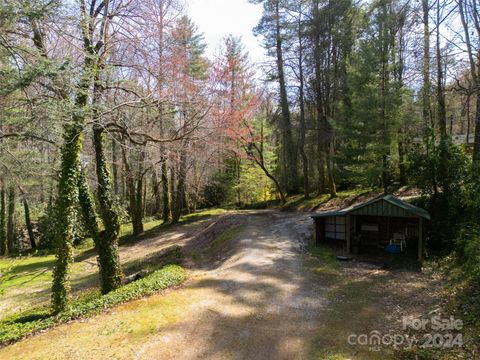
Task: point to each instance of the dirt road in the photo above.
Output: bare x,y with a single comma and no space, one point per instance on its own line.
259,304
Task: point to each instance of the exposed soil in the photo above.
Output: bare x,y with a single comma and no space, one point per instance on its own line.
403,193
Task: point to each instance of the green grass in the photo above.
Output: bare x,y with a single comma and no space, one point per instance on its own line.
156,227
225,237
216,245
20,325
351,301
201,215
297,202
24,271
323,263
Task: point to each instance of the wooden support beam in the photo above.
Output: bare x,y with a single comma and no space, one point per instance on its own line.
420,239
315,232
349,237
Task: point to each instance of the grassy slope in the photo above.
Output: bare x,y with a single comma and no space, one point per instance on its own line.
25,281
117,334
17,326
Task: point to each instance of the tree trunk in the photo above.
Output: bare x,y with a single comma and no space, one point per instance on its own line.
330,168
260,161
115,167
427,105
87,206
144,197
474,70
132,190
107,244
401,161
167,203
28,223
468,121
283,199
173,180
157,195
123,182
385,174
441,106
303,128
11,220
321,166
288,147
66,208
139,189
320,114
181,188
476,148
3,221
441,111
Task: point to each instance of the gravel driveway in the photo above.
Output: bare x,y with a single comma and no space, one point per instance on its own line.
259,304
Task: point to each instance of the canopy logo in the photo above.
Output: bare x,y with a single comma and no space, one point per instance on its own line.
442,335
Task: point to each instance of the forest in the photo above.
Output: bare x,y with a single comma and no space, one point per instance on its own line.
113,115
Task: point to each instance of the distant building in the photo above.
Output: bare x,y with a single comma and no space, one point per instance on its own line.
457,139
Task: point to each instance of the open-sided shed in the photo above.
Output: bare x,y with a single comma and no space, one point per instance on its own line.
373,224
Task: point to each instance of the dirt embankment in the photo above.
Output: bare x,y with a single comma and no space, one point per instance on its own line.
404,193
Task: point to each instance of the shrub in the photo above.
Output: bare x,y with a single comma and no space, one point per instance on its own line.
468,249
466,281
47,228
215,193
20,325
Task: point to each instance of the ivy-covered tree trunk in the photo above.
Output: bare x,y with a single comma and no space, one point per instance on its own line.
107,242
28,223
87,206
68,190
3,220
66,214
11,219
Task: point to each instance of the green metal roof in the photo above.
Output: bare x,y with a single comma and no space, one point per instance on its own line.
385,205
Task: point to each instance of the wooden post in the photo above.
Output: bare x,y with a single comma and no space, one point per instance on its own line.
388,230
347,224
315,232
420,239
